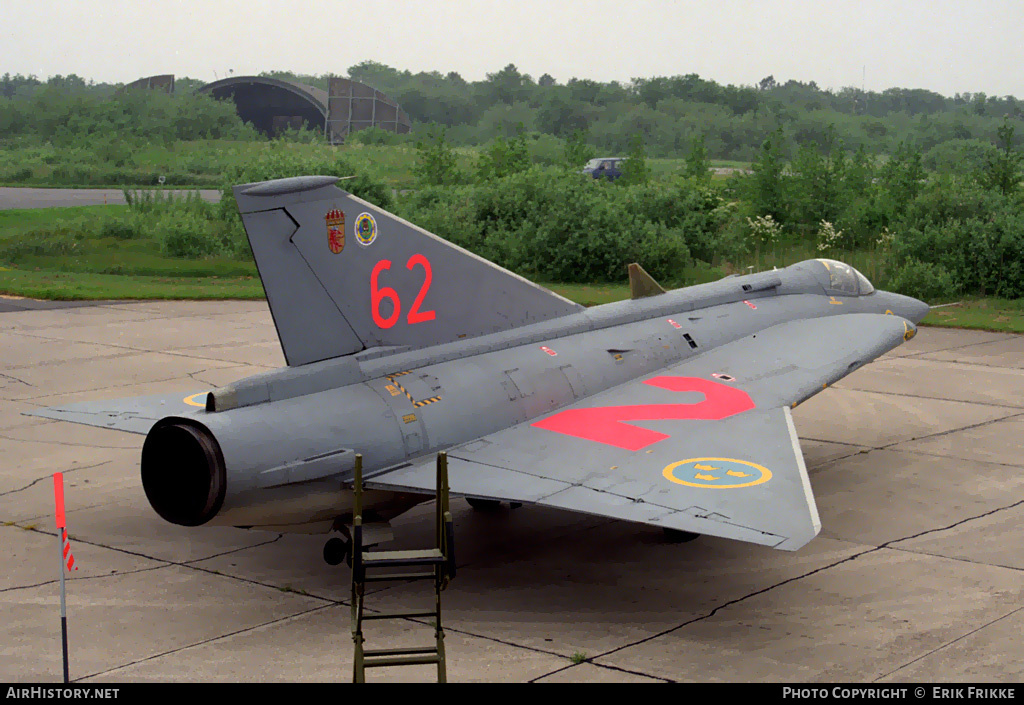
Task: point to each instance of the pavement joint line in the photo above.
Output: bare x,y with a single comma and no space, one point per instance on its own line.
959,559
966,363
925,396
46,477
883,546
203,642
950,643
609,667
110,387
84,358
892,446
69,444
917,451
1006,336
182,352
938,434
71,579
180,564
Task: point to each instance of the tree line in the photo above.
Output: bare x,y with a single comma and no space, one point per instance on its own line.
667,111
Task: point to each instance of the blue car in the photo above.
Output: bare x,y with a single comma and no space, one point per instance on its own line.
605,168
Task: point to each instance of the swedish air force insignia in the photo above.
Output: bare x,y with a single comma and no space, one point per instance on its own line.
717,473
335,230
365,229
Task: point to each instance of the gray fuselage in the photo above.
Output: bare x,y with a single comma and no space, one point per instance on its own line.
276,450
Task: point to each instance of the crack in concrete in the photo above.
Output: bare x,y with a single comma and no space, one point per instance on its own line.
71,579
12,377
883,546
950,643
893,444
960,559
46,477
194,375
234,550
204,642
938,434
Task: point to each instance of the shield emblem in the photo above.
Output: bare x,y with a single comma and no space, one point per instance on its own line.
335,230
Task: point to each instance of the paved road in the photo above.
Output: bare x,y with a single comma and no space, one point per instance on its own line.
917,575
60,197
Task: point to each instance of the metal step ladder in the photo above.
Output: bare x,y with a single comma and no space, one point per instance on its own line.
437,564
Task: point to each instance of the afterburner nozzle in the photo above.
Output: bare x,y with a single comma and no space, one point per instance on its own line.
183,472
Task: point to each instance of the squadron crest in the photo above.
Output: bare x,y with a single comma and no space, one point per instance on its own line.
335,230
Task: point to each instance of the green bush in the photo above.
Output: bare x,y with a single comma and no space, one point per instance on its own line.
16,174
64,240
974,234
188,234
925,281
558,226
127,227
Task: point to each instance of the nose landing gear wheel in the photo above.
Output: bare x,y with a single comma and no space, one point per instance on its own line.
484,505
337,550
678,536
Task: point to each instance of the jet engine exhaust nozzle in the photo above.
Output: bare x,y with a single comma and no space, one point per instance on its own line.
183,472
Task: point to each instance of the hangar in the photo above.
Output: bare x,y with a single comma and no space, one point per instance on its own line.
273,104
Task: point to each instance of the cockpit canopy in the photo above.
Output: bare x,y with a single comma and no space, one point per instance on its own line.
845,279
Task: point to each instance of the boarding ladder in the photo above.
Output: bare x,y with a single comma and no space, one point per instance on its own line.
437,564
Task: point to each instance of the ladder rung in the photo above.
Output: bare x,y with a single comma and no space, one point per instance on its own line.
398,615
402,661
397,576
402,651
430,556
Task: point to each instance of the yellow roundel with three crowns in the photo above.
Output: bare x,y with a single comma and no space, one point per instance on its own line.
717,473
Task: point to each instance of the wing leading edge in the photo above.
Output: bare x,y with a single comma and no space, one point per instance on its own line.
707,445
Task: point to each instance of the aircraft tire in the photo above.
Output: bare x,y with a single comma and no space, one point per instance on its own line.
336,550
484,505
679,536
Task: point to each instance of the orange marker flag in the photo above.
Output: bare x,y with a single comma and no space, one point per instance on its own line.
66,560
58,498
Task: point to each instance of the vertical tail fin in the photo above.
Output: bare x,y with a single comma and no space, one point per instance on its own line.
342,275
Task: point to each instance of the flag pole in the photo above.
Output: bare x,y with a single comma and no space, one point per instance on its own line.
58,496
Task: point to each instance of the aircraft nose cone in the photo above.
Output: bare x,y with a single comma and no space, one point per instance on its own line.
908,307
916,310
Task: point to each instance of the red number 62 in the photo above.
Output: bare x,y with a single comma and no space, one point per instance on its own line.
378,293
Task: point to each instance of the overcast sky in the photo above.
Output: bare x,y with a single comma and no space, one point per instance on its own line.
945,46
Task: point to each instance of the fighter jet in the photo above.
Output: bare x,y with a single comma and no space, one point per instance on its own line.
670,409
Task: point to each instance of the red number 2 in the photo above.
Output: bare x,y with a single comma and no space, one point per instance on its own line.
609,424
377,294
415,315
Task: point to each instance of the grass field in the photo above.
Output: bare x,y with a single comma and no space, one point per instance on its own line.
109,268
